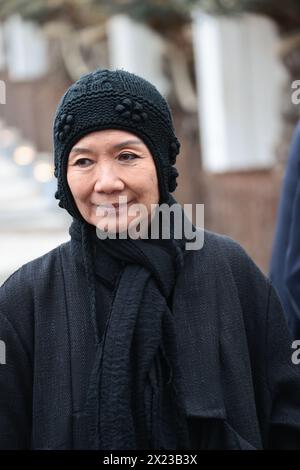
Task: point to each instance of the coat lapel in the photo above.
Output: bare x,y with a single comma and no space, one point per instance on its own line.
195,311
83,349
213,346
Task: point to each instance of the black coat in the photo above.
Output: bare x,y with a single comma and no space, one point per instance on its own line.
242,390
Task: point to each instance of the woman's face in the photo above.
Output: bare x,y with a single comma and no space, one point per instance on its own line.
105,165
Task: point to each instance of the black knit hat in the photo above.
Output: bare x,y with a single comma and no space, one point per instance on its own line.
106,99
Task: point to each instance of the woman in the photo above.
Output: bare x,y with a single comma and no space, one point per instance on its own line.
128,342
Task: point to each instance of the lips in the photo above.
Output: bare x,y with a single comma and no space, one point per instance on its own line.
116,206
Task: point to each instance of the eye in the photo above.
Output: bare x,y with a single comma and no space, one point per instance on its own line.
127,157
82,162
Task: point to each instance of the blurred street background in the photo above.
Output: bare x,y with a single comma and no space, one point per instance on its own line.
227,68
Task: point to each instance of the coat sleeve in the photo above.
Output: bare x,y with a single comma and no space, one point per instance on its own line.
15,364
275,372
283,378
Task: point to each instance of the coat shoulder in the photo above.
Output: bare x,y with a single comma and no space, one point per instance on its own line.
33,280
35,270
228,263
226,250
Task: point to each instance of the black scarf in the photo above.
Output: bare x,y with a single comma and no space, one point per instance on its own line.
135,393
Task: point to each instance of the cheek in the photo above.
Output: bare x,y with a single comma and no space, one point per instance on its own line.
154,181
141,183
153,178
78,185
147,184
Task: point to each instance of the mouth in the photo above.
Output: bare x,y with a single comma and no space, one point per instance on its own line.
113,207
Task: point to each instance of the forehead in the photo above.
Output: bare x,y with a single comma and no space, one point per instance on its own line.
109,136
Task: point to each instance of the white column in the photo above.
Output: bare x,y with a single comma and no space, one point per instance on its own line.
136,48
239,81
27,51
2,50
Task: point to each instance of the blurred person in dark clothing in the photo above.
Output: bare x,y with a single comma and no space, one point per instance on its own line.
285,260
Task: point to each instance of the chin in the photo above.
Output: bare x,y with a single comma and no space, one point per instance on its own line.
113,227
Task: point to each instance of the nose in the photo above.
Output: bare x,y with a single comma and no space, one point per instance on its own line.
107,179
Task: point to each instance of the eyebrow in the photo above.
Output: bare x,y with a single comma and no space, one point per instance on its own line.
125,143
